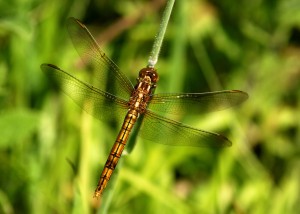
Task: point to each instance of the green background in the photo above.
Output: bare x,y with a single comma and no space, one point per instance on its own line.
52,153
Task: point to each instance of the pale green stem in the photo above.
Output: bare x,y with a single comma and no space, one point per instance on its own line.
160,36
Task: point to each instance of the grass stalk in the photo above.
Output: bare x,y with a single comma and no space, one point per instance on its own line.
160,35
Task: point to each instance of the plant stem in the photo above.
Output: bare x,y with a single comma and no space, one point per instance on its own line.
160,36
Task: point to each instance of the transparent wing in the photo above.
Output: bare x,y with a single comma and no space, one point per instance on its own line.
165,131
106,70
196,103
100,104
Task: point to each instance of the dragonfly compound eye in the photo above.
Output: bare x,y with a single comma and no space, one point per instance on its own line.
150,72
154,76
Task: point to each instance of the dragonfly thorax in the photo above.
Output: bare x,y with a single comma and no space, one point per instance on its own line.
140,96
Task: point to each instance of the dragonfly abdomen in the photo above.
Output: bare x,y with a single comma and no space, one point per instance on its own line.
116,151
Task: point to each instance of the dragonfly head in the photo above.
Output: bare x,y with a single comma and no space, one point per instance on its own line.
148,74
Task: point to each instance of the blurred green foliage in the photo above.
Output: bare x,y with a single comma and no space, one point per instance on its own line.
52,154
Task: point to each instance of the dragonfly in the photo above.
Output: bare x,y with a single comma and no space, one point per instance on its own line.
116,97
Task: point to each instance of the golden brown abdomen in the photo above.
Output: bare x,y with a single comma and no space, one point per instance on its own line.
116,151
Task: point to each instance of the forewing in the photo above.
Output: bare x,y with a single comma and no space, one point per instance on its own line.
195,103
108,75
